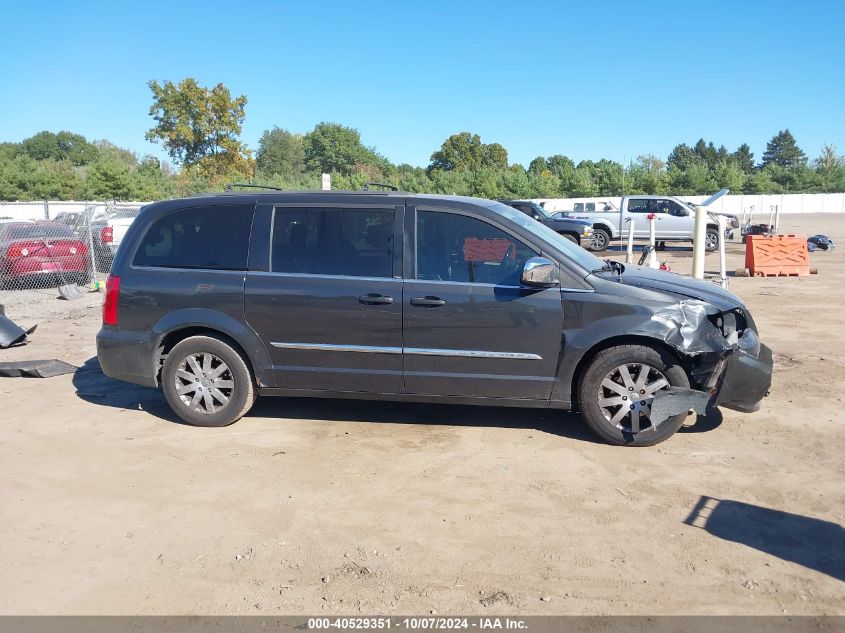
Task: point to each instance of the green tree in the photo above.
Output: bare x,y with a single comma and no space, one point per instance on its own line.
465,151
108,180
783,151
647,175
744,158
280,153
107,151
62,146
200,127
495,156
459,152
830,167
682,157
334,148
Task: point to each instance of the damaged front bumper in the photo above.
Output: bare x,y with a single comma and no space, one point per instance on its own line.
745,381
728,367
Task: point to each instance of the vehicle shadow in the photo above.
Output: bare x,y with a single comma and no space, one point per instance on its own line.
551,421
93,386
704,423
812,543
96,388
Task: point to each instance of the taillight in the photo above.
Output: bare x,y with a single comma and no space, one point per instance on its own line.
110,302
107,235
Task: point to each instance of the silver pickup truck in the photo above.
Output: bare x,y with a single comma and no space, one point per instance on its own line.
675,220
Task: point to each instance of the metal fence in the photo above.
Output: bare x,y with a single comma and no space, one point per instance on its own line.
45,247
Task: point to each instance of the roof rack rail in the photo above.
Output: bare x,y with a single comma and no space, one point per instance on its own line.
231,185
366,186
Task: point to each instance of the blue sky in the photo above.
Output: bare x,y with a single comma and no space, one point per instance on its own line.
587,79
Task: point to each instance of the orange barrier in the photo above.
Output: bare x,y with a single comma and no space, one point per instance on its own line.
776,255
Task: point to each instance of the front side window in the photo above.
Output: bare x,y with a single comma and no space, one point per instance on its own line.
452,247
202,237
675,208
326,241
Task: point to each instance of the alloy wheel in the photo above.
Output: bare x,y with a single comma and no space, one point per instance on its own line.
626,393
204,383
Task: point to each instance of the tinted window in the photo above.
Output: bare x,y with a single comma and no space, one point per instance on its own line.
638,205
453,247
204,237
325,241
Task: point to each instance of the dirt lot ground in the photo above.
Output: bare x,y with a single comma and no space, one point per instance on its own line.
110,506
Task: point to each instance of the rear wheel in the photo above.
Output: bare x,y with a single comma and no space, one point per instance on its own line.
206,382
618,388
601,240
711,240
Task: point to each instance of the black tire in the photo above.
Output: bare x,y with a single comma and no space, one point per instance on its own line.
711,240
241,396
600,240
571,238
603,366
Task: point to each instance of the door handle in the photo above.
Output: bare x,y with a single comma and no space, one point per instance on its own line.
428,302
374,299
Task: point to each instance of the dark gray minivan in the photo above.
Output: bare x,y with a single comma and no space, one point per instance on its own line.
399,296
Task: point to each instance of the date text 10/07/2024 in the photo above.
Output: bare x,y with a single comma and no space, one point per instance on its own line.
417,623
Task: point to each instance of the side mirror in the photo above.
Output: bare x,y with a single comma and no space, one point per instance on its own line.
681,212
540,273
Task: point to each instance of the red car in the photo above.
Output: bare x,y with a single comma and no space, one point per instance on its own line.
41,250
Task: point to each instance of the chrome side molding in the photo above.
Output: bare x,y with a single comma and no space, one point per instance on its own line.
415,351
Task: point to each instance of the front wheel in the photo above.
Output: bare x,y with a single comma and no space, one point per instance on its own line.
571,238
618,388
206,382
601,240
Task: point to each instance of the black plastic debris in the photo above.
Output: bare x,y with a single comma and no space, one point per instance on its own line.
36,369
676,400
10,333
819,242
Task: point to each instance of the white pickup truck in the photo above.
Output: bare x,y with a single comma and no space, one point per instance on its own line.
107,233
675,220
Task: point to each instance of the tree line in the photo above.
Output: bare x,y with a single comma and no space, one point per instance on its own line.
200,128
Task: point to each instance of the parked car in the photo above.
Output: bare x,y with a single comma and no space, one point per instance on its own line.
107,233
410,297
675,220
34,250
571,229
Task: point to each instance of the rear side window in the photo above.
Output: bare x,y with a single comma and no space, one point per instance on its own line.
639,205
326,241
203,237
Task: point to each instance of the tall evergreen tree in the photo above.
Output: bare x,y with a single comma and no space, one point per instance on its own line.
783,151
744,157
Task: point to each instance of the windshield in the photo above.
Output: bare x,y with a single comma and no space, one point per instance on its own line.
581,256
541,210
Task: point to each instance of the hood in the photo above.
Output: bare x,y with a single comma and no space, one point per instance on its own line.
566,222
664,281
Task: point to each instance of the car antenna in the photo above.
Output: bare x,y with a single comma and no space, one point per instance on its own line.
231,185
366,186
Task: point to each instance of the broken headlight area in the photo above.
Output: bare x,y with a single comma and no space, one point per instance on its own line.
732,324
737,329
